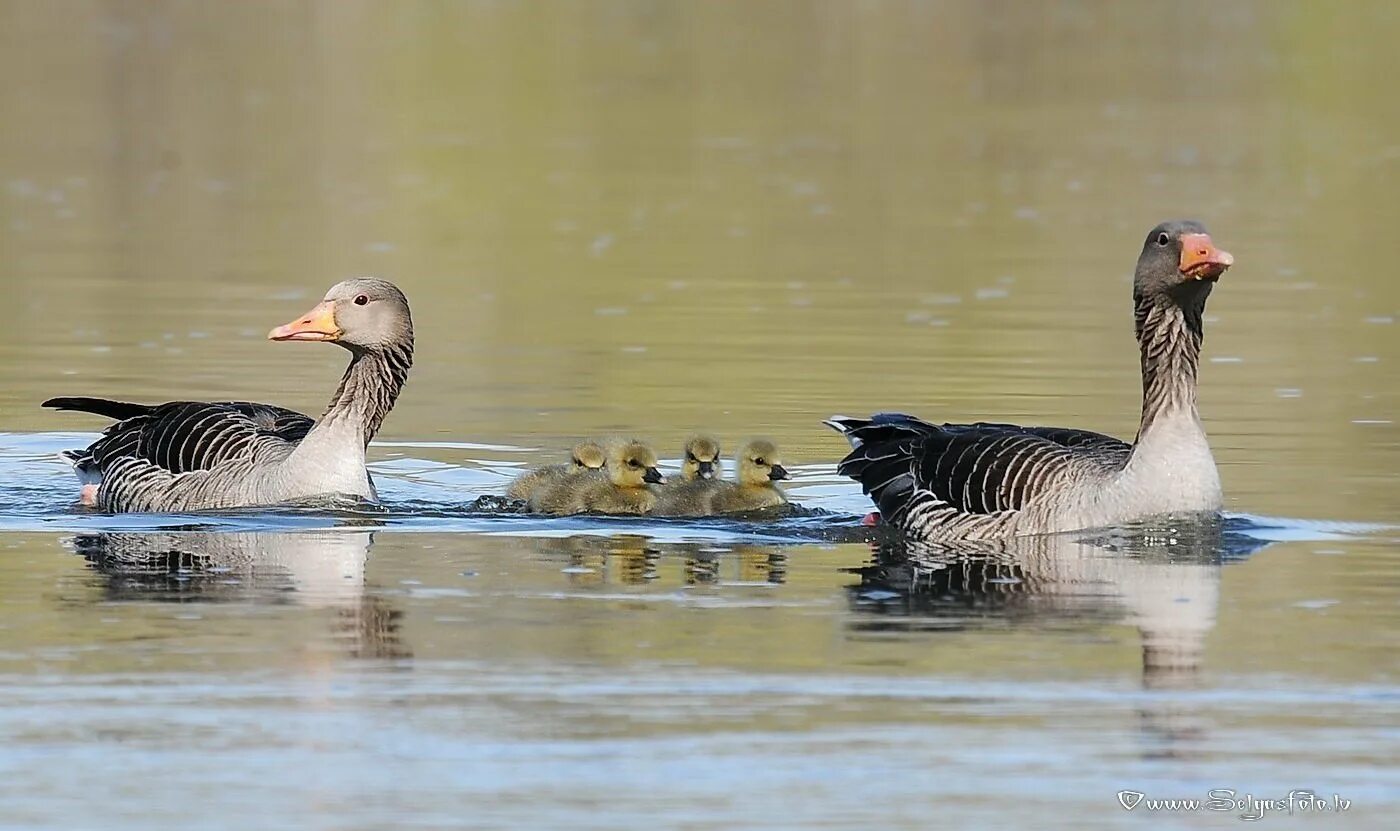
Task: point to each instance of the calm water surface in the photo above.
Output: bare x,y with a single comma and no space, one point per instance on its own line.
656,218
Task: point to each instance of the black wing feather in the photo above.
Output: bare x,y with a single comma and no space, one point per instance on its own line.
183,436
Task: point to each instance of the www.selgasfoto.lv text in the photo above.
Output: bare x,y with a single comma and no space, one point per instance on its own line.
1248,806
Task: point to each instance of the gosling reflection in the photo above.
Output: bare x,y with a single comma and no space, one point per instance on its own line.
634,560
751,564
629,559
1164,580
316,569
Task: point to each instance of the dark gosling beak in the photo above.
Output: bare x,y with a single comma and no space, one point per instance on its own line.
654,477
779,472
707,470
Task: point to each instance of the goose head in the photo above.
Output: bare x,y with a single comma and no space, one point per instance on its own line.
760,463
362,315
632,464
701,459
1179,260
588,455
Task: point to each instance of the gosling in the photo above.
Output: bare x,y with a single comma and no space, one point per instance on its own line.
586,457
700,476
701,459
627,488
760,468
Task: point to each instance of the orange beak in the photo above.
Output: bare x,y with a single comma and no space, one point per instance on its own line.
1201,260
317,324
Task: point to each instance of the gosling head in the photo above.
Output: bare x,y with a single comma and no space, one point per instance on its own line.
362,315
1179,259
760,463
632,464
701,459
588,455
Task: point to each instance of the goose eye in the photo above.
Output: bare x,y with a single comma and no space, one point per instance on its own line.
1163,239
760,462
361,300
690,457
633,463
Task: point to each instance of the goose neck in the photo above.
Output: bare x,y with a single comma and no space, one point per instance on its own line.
1169,333
369,388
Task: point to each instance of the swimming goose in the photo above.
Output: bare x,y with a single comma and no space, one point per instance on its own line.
625,489
586,456
985,481
191,455
700,475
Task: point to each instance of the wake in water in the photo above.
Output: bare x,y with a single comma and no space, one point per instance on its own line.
421,495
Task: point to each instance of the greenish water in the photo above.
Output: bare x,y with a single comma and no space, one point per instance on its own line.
657,218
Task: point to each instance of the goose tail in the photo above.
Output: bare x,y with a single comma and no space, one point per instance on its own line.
881,426
83,465
846,426
119,410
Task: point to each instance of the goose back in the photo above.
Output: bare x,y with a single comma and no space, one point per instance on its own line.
971,480
184,454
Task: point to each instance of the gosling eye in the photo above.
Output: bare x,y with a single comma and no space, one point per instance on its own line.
690,457
361,299
1163,240
633,463
760,463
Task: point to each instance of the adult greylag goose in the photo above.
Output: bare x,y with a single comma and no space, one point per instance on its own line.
625,489
586,456
192,455
755,486
985,481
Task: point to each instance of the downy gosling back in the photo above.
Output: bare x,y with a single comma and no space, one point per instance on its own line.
587,456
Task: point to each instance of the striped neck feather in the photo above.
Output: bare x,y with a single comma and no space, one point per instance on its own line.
1169,333
370,387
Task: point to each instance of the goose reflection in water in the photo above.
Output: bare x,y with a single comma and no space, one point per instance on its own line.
315,569
1161,578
